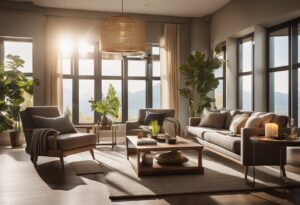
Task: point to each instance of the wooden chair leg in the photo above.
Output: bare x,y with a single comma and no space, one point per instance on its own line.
246,172
62,161
92,153
34,160
283,170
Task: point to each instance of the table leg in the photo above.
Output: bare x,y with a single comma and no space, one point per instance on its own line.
200,167
112,137
254,161
138,162
127,148
282,169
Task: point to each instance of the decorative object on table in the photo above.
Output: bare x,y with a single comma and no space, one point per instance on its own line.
161,138
123,35
279,137
147,159
14,85
171,140
172,157
271,130
199,79
109,105
140,135
146,141
294,129
154,129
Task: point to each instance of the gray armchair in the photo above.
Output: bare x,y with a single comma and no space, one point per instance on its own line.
170,124
58,145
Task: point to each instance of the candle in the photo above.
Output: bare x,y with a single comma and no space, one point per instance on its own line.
271,130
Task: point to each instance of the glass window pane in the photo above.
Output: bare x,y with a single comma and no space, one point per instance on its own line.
279,92
117,84
67,97
156,94
86,92
246,55
136,97
219,95
22,49
279,48
219,71
86,67
156,68
299,49
136,68
66,66
111,67
245,92
155,50
28,99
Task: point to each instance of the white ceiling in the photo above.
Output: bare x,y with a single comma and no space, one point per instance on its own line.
183,8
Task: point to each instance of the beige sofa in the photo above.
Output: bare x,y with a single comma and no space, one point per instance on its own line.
238,147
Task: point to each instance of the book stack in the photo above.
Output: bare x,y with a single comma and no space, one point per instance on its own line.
146,141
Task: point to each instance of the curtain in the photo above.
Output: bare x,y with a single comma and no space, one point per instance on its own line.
53,74
169,69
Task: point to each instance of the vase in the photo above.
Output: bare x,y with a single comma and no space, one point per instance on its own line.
15,139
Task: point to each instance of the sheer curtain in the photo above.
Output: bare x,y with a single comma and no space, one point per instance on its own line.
169,69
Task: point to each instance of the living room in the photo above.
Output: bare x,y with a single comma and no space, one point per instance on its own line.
247,53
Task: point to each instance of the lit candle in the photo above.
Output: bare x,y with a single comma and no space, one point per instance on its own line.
271,130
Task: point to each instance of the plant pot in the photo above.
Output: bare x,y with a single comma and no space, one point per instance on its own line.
105,121
15,139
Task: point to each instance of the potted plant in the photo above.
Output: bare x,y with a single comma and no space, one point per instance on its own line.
109,105
154,129
199,78
14,84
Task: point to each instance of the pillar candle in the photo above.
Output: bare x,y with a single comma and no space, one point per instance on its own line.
271,130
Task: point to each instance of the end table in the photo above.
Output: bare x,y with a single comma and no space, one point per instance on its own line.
112,128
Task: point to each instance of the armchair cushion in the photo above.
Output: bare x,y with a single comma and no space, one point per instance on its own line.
62,123
154,116
72,140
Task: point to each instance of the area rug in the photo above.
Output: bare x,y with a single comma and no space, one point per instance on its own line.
86,167
220,175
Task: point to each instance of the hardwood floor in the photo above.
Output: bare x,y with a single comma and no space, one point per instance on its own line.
21,183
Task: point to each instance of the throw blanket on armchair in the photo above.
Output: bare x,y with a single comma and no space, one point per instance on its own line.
38,145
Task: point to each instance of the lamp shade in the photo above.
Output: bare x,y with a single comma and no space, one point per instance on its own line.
123,34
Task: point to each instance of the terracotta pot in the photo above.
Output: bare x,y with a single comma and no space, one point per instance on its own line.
15,139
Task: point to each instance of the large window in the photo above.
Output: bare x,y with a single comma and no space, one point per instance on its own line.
87,75
220,74
283,69
245,73
22,48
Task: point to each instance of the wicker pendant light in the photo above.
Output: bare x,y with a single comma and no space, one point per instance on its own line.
123,34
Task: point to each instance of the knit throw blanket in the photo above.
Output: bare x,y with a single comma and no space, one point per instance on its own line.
38,145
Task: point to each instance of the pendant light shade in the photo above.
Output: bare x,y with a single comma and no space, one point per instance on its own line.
123,34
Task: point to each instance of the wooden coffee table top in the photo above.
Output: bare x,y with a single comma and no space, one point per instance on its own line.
181,144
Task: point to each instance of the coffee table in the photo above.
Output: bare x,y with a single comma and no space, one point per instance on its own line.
134,156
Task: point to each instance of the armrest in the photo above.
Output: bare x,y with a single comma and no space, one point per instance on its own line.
194,121
171,126
131,125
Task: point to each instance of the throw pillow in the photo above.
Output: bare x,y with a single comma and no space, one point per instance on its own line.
253,122
238,122
62,123
280,120
229,117
155,116
266,118
213,119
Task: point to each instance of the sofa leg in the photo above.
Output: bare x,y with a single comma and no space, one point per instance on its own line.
246,172
283,174
61,157
92,153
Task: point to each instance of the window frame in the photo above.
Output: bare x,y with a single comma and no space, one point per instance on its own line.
223,49
247,73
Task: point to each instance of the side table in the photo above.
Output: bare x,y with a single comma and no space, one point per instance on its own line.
281,143
112,128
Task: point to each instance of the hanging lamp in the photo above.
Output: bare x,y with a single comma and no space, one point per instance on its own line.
123,35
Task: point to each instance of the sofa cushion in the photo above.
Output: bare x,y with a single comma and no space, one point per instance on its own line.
228,142
72,140
253,122
199,131
213,119
238,122
229,117
281,120
62,123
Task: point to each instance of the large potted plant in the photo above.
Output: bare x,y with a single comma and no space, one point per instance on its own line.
108,106
199,80
13,84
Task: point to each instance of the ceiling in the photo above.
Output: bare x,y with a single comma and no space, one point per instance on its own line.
182,8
